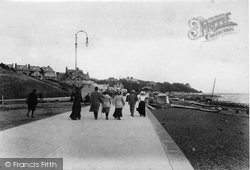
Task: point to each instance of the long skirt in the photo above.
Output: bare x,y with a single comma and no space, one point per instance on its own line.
105,109
117,113
76,111
141,108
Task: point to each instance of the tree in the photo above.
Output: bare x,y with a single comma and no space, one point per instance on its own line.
188,85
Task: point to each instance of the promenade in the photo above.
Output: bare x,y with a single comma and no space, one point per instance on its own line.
132,143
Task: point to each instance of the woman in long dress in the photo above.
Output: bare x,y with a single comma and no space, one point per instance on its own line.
119,104
76,98
142,105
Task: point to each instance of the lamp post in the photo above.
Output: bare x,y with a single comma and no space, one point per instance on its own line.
87,43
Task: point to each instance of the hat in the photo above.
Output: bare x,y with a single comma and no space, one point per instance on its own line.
143,92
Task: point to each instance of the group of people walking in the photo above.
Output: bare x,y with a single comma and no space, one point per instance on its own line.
97,99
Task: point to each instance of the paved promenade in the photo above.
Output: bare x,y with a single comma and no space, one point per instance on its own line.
132,143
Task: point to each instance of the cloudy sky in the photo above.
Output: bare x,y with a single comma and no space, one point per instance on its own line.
147,40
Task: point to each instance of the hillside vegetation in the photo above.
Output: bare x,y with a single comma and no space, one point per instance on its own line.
162,87
17,86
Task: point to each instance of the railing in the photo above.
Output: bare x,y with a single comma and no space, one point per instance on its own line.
59,99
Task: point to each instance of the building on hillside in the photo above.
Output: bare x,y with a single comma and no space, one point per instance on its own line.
35,71
23,69
117,87
48,73
59,76
70,77
112,81
151,87
102,87
131,79
10,66
89,87
113,84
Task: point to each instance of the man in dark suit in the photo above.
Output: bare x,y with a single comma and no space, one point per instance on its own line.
132,99
95,100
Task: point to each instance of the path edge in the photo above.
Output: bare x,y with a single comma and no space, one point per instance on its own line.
176,157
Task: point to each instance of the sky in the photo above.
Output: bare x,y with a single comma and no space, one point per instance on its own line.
146,40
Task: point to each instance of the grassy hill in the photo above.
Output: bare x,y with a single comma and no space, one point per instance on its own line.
17,86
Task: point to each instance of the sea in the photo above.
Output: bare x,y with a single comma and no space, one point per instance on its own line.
242,98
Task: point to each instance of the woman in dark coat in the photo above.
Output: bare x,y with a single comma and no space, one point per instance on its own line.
32,102
119,104
76,98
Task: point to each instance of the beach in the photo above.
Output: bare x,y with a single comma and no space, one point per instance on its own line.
210,141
